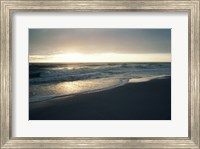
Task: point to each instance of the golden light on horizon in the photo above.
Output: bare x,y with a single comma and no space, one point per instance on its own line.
100,57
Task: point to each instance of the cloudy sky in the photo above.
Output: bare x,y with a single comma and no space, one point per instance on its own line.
99,45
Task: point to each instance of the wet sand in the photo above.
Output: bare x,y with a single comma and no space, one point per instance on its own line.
149,100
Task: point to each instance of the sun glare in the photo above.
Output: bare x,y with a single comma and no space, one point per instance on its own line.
72,57
101,57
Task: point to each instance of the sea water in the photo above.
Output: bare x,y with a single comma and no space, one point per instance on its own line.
50,80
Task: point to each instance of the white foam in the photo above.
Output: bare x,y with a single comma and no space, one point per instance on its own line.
145,79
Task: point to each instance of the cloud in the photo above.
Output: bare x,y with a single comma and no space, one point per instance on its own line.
91,41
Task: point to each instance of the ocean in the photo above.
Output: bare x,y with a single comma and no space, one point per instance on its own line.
50,80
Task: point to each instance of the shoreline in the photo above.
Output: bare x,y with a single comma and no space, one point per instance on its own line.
132,101
138,80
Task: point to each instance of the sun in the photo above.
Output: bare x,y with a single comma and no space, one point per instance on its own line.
70,57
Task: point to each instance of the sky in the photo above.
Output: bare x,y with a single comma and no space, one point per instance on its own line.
99,45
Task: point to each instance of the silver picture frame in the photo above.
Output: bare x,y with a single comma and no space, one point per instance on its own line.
9,7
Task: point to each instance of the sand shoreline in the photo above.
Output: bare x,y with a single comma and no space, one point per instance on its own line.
149,100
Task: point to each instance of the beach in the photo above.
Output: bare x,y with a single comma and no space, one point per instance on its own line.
150,100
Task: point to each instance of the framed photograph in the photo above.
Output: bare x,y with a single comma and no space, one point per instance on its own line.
99,74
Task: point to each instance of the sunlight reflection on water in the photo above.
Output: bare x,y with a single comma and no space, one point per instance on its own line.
73,87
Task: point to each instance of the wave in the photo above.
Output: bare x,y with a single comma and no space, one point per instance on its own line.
56,77
121,82
58,73
135,80
89,90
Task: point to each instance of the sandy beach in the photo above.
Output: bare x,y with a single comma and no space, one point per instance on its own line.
149,100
